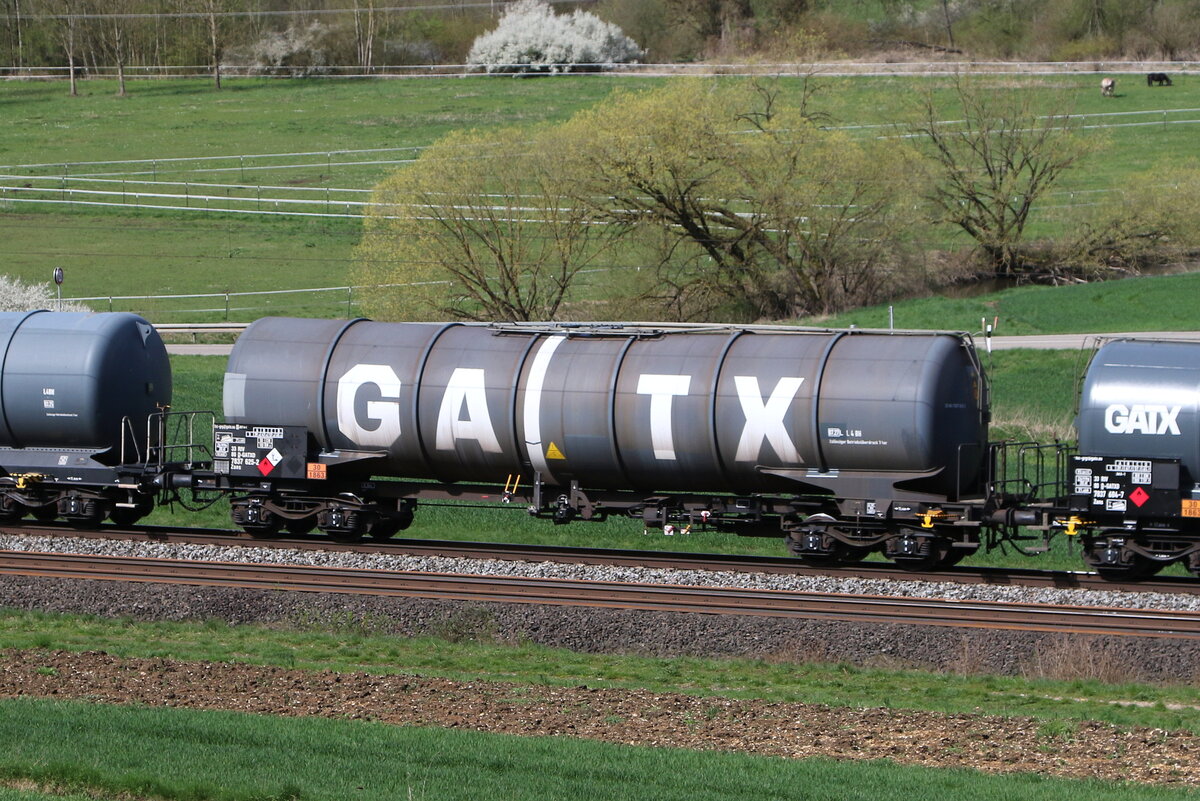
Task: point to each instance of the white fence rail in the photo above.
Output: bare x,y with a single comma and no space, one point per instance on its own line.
329,301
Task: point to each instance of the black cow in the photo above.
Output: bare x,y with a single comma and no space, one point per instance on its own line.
1158,79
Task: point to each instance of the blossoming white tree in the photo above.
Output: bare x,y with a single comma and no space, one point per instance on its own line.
16,295
532,38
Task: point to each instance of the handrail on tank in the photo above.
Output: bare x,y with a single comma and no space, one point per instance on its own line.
128,435
165,426
1030,477
659,328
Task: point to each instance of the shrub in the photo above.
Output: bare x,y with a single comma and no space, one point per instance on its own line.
17,296
532,38
296,51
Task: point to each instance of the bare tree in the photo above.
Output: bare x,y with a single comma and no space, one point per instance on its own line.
992,164
364,34
67,24
112,34
215,37
480,228
949,23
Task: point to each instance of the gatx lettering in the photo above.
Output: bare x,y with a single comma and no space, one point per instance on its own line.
1141,418
382,426
764,421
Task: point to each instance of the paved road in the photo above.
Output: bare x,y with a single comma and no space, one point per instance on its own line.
1040,342
1076,341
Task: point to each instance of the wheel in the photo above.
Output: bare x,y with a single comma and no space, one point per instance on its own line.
839,554
914,553
268,528
44,514
128,515
255,519
301,525
11,510
1115,562
124,516
1139,567
814,544
90,518
342,524
953,556
384,528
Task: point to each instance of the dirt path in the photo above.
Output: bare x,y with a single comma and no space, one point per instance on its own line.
1094,750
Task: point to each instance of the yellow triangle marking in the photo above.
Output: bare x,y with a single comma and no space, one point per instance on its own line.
553,452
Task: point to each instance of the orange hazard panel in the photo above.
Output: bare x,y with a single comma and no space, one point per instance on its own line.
1191,509
317,471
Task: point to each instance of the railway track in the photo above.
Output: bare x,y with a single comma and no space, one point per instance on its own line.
1019,577
608,594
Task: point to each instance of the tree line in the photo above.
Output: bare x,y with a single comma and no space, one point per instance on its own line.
290,37
310,36
728,201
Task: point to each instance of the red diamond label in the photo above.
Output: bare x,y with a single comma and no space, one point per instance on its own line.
1139,496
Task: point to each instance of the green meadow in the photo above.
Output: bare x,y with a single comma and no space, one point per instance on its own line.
103,752
333,140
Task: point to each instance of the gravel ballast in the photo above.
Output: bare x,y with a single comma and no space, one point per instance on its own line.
619,631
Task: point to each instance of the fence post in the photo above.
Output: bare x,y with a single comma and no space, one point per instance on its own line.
349,297
226,307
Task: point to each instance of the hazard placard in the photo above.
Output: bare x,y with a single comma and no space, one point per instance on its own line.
552,452
259,451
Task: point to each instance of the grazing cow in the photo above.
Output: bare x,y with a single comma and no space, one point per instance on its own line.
1158,79
1108,86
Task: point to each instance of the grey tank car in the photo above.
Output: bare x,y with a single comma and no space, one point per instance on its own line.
79,395
622,408
660,422
1134,483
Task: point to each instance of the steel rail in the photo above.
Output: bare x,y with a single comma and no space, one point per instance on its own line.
610,594
667,560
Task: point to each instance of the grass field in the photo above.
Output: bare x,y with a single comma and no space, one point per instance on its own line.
130,251
465,651
117,752
1145,303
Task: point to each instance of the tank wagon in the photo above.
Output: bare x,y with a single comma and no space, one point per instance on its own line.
1133,485
842,442
81,401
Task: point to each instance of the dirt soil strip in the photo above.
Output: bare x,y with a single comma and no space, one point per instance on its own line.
634,717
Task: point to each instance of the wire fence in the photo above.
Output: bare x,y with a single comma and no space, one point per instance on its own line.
193,184
239,306
333,300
